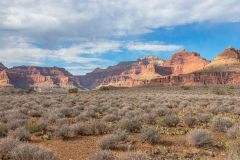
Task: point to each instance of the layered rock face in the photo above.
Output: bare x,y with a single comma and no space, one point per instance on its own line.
41,78
140,72
185,62
126,74
225,69
228,60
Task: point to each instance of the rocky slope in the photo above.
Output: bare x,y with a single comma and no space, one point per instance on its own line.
225,69
140,72
185,62
41,78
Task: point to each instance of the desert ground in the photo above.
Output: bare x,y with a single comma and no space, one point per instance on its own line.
147,123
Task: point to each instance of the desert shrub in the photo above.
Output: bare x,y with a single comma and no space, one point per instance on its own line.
134,156
3,130
221,124
30,152
218,91
233,132
110,118
35,126
22,134
130,125
63,131
6,145
94,128
66,112
17,123
100,128
219,108
234,150
151,135
150,118
102,155
170,121
184,87
83,129
189,120
199,137
73,90
162,111
35,113
204,117
111,141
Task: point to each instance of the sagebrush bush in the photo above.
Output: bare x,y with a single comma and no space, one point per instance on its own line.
161,111
17,123
102,155
3,130
199,137
151,135
189,120
111,118
170,120
204,117
83,129
100,128
6,145
150,118
22,134
130,125
111,141
221,124
64,131
30,152
233,132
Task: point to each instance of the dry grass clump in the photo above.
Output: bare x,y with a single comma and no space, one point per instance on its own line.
221,124
151,135
199,138
102,155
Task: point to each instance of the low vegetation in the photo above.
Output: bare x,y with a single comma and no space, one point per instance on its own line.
139,123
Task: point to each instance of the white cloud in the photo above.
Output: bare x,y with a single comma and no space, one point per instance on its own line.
152,46
56,20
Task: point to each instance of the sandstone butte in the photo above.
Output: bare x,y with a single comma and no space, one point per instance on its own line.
183,68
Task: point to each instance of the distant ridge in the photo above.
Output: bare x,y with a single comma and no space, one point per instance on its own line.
182,68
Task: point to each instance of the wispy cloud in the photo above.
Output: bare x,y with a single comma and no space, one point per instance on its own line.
152,46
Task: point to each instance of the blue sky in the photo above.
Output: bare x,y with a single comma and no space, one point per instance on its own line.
81,35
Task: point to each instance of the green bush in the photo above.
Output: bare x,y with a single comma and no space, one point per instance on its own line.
34,126
73,90
3,130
